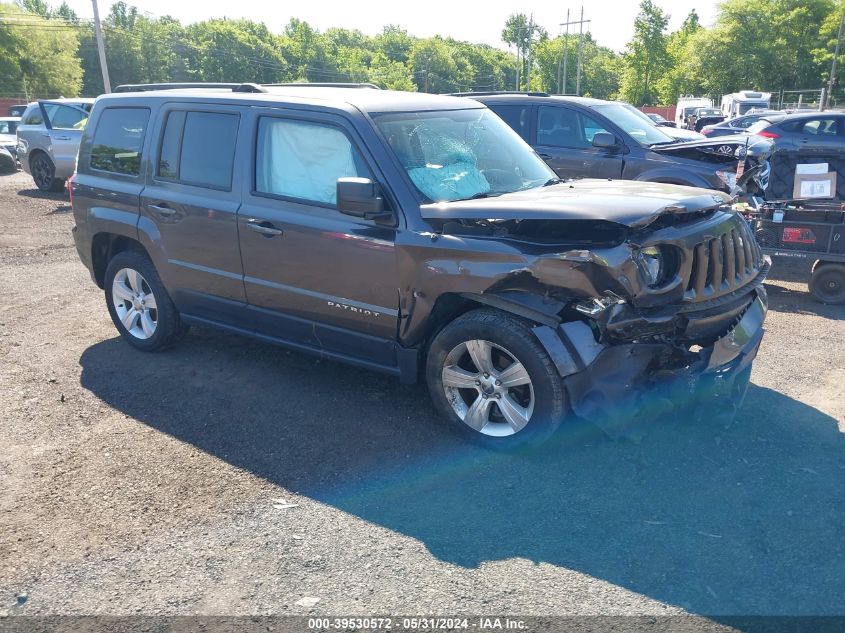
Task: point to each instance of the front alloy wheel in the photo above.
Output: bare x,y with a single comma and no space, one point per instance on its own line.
493,381
488,388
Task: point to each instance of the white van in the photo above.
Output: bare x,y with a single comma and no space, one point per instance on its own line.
738,103
688,104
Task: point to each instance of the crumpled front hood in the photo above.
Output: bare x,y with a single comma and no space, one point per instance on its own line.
757,147
626,202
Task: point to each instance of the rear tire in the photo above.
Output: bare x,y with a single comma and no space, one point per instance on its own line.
490,377
139,305
44,174
827,283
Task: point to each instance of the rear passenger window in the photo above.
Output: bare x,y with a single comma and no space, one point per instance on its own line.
198,148
302,160
64,117
118,140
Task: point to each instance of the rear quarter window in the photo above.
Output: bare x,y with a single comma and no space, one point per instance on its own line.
33,116
118,140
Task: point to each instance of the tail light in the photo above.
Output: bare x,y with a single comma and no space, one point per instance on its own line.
767,134
798,236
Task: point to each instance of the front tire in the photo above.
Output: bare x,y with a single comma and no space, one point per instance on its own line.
490,377
44,174
139,306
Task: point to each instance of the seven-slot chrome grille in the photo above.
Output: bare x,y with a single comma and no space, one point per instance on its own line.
723,263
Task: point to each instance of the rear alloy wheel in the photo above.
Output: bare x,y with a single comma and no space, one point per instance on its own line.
139,306
827,284
491,378
44,174
135,303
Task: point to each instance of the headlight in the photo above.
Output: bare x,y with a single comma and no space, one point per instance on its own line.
651,264
658,264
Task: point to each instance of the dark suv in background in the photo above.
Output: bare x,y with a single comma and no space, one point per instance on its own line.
590,138
416,235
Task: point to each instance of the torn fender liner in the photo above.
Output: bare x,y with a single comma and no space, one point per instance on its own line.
571,347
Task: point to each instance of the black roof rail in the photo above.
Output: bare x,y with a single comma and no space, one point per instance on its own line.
487,93
241,87
308,84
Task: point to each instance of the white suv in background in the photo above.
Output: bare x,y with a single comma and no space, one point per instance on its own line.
48,140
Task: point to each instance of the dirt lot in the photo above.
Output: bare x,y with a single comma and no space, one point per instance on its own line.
133,483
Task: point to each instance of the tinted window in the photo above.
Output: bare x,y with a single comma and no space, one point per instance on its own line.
514,115
562,127
118,140
559,127
8,127
65,117
33,117
199,148
303,160
819,127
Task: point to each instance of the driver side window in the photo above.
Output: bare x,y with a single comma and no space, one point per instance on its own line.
564,127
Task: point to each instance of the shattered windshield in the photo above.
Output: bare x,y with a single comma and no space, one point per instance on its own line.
462,154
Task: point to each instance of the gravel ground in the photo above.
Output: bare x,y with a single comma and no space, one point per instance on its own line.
227,477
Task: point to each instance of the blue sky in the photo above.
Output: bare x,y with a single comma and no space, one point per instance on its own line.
612,21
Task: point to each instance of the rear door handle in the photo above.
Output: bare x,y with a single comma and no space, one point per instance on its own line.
161,209
264,227
62,138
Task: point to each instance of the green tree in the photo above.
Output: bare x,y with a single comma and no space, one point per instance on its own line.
646,58
599,74
680,76
389,74
394,43
521,32
432,66
785,53
38,58
234,51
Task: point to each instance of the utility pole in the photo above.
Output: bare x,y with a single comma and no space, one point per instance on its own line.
529,42
561,88
580,52
101,47
832,79
581,24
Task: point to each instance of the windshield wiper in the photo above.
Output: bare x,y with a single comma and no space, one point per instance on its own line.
483,194
552,181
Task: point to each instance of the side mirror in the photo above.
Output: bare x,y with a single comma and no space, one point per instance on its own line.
360,198
604,140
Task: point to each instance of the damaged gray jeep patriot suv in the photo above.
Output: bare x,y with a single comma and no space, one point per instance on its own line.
420,236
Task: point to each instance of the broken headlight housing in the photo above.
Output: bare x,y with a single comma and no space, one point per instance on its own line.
658,264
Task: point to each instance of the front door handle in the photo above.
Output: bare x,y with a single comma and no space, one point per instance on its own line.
62,138
545,156
264,227
161,209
